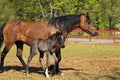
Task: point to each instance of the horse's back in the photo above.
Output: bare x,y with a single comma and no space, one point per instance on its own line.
27,31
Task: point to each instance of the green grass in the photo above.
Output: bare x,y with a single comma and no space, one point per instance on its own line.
91,50
80,61
85,50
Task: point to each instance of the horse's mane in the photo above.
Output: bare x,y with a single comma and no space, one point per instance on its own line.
65,22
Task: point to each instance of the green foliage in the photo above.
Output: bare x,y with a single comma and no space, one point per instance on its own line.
6,11
39,10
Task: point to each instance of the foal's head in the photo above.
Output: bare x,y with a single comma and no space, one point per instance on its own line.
56,39
60,39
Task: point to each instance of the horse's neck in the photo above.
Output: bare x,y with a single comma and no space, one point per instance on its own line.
68,30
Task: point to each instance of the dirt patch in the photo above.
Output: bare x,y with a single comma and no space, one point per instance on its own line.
91,66
78,68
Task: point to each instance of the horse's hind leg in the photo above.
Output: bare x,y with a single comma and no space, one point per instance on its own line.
3,55
19,45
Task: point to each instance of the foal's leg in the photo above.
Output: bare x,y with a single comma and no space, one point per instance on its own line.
41,59
19,45
47,63
3,55
54,67
33,52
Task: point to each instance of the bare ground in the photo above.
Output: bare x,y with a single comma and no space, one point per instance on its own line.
73,68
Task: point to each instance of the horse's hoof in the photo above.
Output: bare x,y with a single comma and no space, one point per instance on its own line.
2,71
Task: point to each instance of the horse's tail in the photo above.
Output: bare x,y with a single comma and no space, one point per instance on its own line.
1,35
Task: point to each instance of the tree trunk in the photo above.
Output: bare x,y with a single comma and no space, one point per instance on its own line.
97,22
110,22
41,7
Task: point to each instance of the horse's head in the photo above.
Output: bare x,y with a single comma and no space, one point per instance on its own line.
85,25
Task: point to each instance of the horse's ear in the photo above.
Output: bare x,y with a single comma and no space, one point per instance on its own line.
87,14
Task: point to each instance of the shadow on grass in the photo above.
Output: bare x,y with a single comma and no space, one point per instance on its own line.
87,76
37,70
114,75
69,69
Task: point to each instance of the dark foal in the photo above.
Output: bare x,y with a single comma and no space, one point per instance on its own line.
47,46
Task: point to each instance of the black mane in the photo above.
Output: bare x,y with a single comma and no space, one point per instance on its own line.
65,23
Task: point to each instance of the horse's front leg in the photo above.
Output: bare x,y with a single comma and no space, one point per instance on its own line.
58,55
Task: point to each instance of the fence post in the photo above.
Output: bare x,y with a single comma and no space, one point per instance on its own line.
114,33
90,38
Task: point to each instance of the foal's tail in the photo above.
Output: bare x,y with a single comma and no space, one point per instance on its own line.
1,35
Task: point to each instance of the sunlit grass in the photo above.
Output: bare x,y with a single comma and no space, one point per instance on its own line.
91,50
85,50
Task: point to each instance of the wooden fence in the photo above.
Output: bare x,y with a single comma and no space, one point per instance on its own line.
113,35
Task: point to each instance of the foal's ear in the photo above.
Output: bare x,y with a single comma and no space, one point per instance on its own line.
59,33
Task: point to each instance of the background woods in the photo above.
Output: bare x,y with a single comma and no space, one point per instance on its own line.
105,14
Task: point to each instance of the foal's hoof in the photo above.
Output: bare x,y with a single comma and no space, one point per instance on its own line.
27,74
47,75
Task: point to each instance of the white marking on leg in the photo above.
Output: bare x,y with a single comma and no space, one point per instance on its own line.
46,73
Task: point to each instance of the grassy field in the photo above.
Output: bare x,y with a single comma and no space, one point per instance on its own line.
80,61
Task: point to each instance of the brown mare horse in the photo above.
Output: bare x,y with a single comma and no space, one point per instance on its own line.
66,24
19,32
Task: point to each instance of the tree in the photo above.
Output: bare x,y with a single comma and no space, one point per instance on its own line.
6,11
104,13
